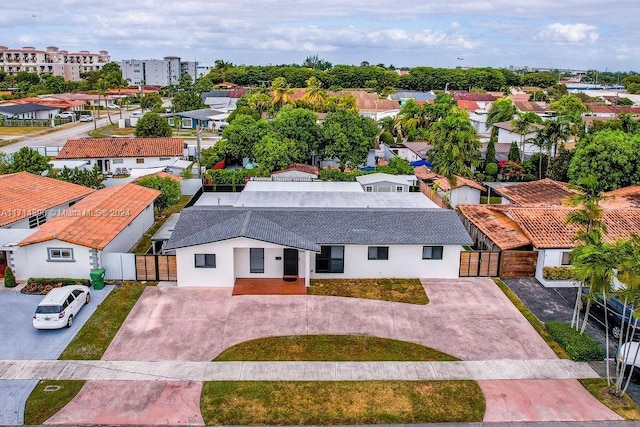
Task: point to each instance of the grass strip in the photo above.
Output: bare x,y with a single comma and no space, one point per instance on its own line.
623,406
330,347
41,404
347,402
396,290
533,320
96,334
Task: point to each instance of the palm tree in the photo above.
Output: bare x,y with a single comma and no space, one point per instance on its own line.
281,92
522,126
314,93
587,217
387,124
502,110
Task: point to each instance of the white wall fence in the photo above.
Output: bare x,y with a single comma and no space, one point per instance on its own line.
118,266
190,186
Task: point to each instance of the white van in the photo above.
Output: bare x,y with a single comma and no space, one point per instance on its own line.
58,308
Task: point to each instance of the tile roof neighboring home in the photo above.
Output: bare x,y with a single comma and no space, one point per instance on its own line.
371,101
309,228
542,193
23,194
48,102
530,106
90,148
422,173
478,97
299,167
627,197
97,219
468,105
501,147
600,109
496,225
547,227
160,174
25,108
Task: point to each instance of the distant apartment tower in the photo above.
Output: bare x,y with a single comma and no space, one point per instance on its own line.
157,72
52,61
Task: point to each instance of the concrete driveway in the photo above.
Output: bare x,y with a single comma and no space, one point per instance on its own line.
20,340
468,318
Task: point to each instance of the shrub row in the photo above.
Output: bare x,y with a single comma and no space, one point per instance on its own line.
580,347
55,281
558,273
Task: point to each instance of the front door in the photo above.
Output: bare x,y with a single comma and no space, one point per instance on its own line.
290,262
3,262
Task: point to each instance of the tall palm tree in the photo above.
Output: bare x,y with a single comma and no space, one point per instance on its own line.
521,124
282,93
588,218
502,110
314,93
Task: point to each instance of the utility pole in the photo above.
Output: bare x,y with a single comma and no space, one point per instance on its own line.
198,142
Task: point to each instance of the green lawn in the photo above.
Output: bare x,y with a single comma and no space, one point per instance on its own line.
330,347
398,290
345,402
95,336
625,407
41,404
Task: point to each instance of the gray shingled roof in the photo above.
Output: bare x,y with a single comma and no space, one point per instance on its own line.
25,108
309,228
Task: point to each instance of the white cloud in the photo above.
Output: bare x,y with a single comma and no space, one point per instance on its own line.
569,33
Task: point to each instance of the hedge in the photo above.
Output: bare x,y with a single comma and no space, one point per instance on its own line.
580,347
56,280
558,273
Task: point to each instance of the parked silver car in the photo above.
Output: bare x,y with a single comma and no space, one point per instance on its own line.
58,308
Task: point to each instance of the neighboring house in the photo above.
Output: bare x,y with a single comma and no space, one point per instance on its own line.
28,111
533,218
412,151
223,100
110,220
26,202
596,110
478,118
193,119
538,107
383,182
403,96
296,172
120,155
464,191
216,245
502,150
370,105
506,135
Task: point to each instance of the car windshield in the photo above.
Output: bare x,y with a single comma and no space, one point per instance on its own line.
48,309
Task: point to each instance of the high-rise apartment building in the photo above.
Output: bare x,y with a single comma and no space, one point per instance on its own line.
53,61
157,72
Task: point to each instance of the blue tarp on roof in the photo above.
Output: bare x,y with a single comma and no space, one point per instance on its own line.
421,162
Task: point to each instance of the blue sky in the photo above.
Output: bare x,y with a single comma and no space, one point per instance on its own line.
582,34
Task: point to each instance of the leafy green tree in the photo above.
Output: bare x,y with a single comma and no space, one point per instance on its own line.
396,166
92,178
170,188
152,125
456,150
273,153
242,134
502,110
539,79
348,137
298,125
490,155
514,153
151,102
9,278
24,160
243,110
559,164
187,101
612,156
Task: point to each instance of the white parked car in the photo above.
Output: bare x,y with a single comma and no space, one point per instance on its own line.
86,118
136,115
629,355
66,115
59,307
113,107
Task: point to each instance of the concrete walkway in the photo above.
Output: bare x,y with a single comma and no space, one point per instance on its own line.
293,371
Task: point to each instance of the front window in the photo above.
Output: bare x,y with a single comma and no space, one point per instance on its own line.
378,252
187,123
139,161
566,258
256,260
432,252
205,260
399,189
330,259
60,254
368,188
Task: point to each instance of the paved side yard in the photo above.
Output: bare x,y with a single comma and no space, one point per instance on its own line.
20,340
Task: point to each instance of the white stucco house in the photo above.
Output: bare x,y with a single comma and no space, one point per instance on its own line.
216,245
120,155
384,182
110,220
464,191
27,201
506,135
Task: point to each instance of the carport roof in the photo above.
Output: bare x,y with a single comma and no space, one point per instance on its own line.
309,228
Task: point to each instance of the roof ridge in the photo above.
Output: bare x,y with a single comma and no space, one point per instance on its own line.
245,223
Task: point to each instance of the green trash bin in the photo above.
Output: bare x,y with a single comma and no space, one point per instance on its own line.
97,278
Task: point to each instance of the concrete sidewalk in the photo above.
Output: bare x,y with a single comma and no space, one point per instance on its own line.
293,371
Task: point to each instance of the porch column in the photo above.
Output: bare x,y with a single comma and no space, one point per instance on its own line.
307,268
